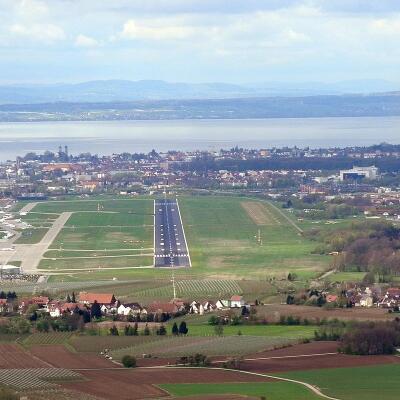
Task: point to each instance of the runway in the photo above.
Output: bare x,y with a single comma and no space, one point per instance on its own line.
170,246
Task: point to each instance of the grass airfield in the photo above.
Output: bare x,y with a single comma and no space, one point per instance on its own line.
236,244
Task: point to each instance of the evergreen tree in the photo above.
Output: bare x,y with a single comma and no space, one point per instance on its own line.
73,299
95,311
68,298
183,330
146,331
161,331
135,329
114,331
175,330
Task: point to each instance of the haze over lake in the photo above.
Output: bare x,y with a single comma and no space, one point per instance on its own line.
143,136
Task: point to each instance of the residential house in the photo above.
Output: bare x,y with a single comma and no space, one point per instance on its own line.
390,299
237,301
57,309
130,309
6,306
331,298
40,301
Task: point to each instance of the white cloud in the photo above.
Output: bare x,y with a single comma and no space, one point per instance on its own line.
38,32
155,30
86,41
31,9
386,27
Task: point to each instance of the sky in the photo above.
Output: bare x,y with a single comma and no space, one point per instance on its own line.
237,41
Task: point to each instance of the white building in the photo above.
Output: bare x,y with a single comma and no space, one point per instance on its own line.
359,173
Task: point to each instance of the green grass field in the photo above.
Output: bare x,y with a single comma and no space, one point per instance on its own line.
367,383
270,390
31,236
105,234
222,241
287,332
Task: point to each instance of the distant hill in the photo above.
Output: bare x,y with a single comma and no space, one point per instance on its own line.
377,105
124,90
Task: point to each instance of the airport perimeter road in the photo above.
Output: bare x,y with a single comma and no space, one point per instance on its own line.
170,246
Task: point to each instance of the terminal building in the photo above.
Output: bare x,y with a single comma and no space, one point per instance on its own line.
358,173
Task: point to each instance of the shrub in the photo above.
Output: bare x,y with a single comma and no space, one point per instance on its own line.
128,361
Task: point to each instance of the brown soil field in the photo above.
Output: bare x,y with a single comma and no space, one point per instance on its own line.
259,213
60,357
305,357
124,384
13,356
272,312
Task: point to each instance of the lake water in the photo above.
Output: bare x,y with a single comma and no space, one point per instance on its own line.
142,136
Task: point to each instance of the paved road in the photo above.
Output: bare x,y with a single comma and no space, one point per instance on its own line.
170,247
31,254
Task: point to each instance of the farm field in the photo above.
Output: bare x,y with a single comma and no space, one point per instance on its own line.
141,383
46,338
96,344
369,382
277,331
316,313
210,345
271,390
14,356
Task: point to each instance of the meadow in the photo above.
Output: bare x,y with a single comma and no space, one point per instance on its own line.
287,332
270,390
223,240
369,383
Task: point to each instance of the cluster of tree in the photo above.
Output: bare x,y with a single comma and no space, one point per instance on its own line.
371,338
16,325
181,330
331,330
66,323
10,296
372,246
130,330
247,316
194,360
71,299
309,297
314,206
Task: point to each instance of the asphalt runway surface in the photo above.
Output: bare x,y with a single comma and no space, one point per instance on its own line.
170,247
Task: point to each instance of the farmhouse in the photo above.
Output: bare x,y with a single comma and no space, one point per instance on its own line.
107,299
